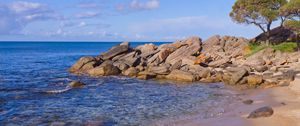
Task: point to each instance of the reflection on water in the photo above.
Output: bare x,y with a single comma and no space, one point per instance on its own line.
29,70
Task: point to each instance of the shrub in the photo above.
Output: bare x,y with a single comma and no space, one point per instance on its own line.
286,47
283,47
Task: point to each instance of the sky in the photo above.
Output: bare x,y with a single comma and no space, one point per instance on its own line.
117,20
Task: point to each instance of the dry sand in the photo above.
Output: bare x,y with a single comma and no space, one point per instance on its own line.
284,100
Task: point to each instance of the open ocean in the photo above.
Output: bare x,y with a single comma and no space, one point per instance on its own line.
27,69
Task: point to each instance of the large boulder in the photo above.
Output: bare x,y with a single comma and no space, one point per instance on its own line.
83,64
116,50
233,76
220,62
179,75
131,59
190,47
147,48
160,57
131,72
104,70
161,70
122,66
235,46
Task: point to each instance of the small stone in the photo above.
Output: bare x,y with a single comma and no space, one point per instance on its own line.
248,102
261,112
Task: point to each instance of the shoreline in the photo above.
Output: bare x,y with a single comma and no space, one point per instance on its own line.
284,101
261,76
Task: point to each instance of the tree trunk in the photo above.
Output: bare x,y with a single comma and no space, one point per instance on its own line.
282,21
268,33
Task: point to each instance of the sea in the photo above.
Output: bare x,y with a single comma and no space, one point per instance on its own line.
29,69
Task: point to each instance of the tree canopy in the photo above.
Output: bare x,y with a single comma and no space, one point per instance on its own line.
261,13
292,12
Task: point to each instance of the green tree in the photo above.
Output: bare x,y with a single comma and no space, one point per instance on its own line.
261,13
292,12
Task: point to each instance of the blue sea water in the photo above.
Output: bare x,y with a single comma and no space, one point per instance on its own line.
27,69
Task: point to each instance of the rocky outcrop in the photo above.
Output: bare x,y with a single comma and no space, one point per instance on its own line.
218,59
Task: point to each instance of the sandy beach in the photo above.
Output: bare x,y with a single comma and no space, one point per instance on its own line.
285,102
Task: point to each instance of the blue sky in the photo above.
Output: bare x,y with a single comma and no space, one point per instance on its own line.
117,20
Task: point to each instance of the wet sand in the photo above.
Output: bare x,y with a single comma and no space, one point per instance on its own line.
284,100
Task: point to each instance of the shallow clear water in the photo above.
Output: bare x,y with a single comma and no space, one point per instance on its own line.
29,69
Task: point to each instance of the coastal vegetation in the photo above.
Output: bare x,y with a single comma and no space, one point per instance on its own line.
283,47
263,14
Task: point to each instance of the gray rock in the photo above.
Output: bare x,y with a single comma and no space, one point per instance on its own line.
261,112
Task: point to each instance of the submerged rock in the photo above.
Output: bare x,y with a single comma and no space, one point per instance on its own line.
75,84
261,112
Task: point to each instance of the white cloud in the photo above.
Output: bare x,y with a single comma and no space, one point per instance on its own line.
177,24
22,6
149,5
89,14
16,15
88,5
138,5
